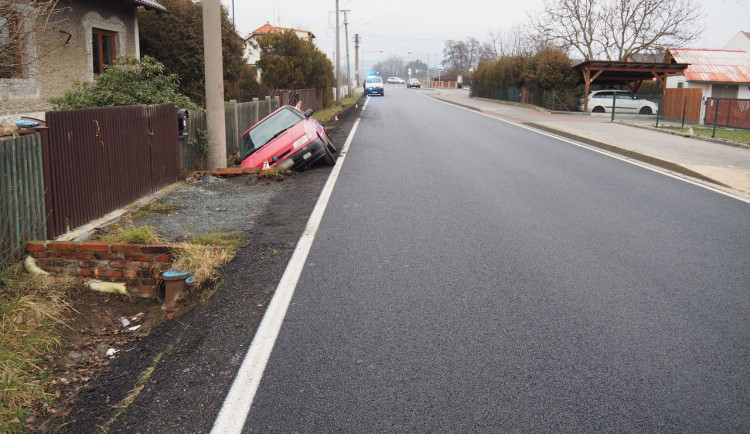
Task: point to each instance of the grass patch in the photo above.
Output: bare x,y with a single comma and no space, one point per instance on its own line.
228,239
130,235
31,309
736,134
326,115
202,261
274,174
158,208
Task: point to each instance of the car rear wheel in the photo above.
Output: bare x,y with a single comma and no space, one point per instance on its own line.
598,110
645,111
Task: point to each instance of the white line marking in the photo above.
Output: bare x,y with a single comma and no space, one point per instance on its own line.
600,151
238,401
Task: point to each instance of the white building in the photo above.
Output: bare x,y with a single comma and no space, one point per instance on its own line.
252,51
741,41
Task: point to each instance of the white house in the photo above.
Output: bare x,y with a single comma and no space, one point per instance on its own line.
252,51
741,41
718,73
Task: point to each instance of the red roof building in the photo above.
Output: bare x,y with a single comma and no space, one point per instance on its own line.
718,73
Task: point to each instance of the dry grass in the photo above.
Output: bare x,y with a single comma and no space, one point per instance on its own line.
274,174
131,235
202,261
31,308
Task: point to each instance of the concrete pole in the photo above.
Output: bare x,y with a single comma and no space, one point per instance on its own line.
338,58
346,38
214,75
356,59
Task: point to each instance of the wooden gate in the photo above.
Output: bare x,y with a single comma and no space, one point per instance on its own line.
682,102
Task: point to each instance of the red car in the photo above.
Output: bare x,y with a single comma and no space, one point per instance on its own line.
286,139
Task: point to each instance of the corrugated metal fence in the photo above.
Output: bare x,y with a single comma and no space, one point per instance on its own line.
98,160
22,212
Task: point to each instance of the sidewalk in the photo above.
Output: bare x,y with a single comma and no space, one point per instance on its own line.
722,166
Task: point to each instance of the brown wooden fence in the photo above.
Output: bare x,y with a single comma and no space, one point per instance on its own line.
682,102
98,160
733,113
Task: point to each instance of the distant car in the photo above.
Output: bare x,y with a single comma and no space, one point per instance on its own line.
374,84
395,80
413,82
600,101
286,139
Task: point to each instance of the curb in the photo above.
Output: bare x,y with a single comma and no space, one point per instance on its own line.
724,142
664,164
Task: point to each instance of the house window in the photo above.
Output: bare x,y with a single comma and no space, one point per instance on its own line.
10,48
104,49
680,85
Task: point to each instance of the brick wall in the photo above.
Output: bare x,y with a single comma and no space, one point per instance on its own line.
139,266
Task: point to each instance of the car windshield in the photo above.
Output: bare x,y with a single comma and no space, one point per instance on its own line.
268,130
374,80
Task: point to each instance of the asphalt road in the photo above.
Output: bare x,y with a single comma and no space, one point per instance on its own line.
470,275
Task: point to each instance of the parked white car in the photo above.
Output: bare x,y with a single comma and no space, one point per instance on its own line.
600,101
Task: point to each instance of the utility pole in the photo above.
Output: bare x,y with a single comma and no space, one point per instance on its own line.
214,76
356,58
346,38
338,58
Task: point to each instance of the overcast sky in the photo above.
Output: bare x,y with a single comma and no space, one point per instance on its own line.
398,27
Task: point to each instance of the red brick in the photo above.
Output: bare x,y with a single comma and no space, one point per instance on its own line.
63,246
110,273
118,264
109,256
94,246
79,255
135,264
125,248
142,291
37,246
165,258
83,272
138,257
88,264
156,249
131,274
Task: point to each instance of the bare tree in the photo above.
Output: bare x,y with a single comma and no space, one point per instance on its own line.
25,26
392,66
499,43
459,56
617,29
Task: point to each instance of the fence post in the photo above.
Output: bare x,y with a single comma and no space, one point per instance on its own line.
684,107
256,111
614,99
659,108
716,118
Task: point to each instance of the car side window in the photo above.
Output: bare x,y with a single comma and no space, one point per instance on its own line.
603,95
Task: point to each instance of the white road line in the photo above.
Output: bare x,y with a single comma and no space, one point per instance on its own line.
600,151
238,401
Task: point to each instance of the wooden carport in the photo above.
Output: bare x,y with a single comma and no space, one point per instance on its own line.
631,74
